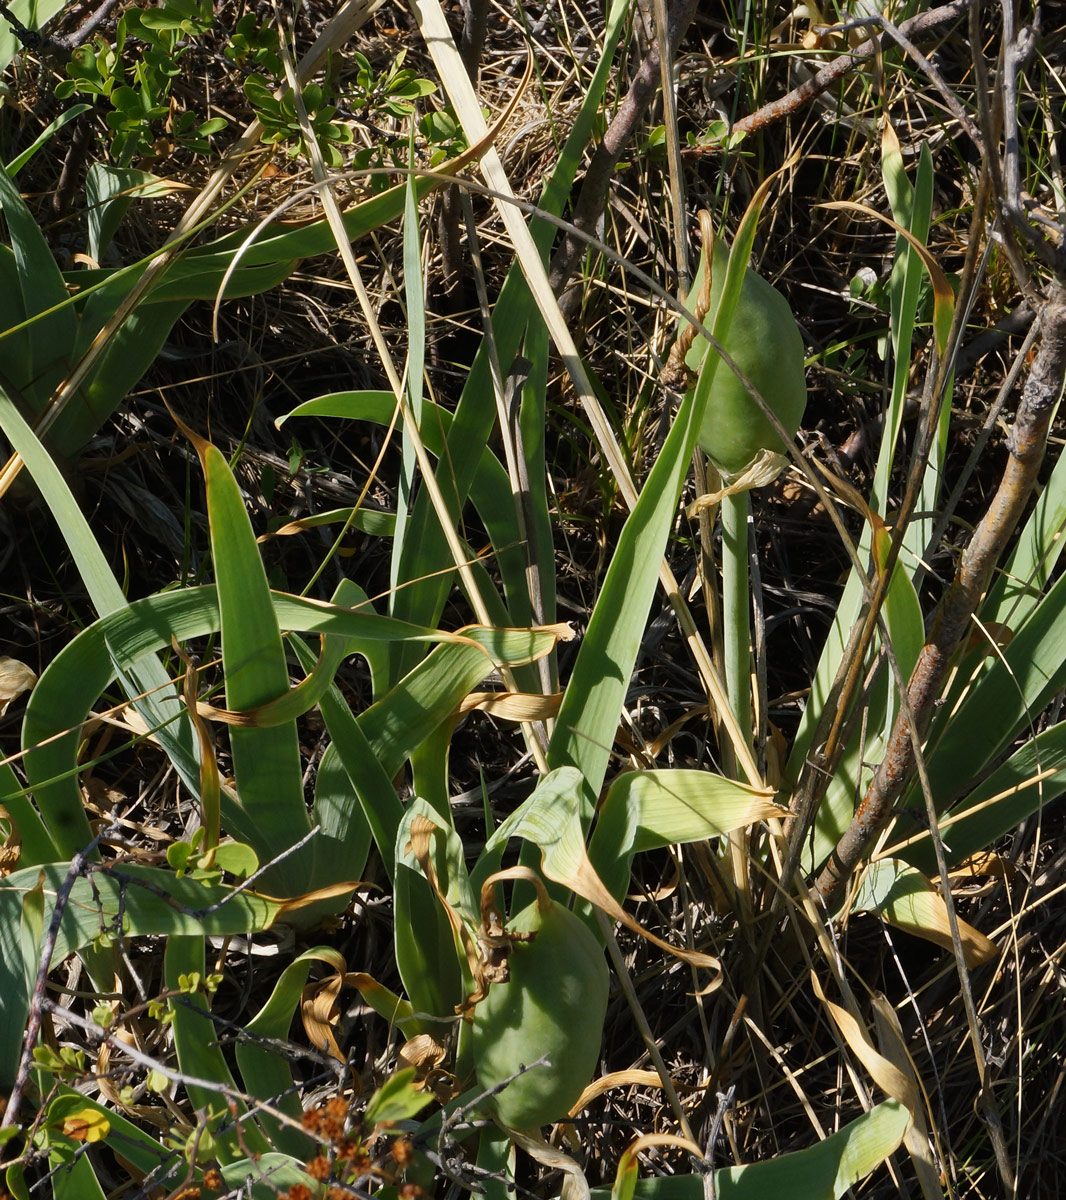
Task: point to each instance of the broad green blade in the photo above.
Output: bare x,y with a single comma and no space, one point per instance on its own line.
149,902
266,762
903,616
906,899
81,672
426,555
1016,685
414,285
645,810
16,349
426,696
50,338
21,929
1032,779
23,819
45,136
1024,579
266,1176
912,210
588,719
128,355
74,1177
344,839
371,785
109,192
375,521
906,631
490,490
823,1172
427,952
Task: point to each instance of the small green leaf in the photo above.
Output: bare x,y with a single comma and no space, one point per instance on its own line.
178,854
157,1082
396,1100
236,858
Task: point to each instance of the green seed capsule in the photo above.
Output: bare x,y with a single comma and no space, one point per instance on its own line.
766,345
554,1003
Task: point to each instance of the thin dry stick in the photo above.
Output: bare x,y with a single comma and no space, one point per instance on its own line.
1019,45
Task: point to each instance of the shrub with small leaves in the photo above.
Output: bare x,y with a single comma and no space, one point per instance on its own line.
281,121
135,76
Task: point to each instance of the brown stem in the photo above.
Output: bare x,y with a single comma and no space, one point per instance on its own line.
597,181
1026,446
821,82
453,279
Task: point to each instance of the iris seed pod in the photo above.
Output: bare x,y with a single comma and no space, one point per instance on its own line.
554,1004
766,345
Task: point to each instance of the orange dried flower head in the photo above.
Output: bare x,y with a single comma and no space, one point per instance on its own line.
402,1151
334,1116
318,1168
348,1149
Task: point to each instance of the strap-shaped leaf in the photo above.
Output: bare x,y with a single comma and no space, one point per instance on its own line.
825,1171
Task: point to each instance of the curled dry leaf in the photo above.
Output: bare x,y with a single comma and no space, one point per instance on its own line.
15,678
513,706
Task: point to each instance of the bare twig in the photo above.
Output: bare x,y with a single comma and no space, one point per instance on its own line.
725,1102
823,80
593,197
59,46
73,162
929,70
1018,320
78,864
1018,47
